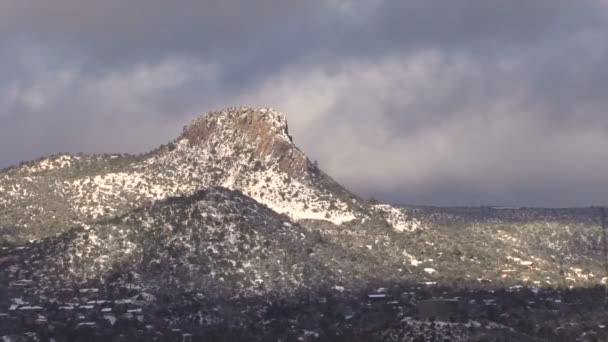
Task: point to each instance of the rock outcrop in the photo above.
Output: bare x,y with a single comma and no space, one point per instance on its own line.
264,130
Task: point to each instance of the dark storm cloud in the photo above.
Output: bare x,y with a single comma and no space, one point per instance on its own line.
435,101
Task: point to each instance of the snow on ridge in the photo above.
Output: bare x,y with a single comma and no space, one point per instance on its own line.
48,164
225,119
278,119
269,188
239,166
397,218
186,169
96,195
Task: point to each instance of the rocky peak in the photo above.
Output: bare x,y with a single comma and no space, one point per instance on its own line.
263,132
238,148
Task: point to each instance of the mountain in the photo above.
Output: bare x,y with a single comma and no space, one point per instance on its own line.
238,148
250,151
229,232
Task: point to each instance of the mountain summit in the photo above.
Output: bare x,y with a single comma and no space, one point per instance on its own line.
263,132
238,148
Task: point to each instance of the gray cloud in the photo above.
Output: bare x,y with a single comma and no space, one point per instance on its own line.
429,102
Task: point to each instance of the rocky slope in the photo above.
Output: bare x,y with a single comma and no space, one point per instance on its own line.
236,148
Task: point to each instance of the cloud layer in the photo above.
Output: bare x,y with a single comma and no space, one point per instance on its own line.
422,102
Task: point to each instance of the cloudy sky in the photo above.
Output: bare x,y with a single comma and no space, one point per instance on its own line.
442,102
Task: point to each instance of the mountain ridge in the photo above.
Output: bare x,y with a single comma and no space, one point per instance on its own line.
238,148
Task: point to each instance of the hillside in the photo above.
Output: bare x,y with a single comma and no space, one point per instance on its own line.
238,148
218,241
538,247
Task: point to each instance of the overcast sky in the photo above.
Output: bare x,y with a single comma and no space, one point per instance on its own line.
445,102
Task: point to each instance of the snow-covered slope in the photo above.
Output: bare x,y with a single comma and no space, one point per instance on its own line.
238,148
251,150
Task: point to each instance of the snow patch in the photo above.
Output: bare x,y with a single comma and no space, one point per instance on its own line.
397,218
